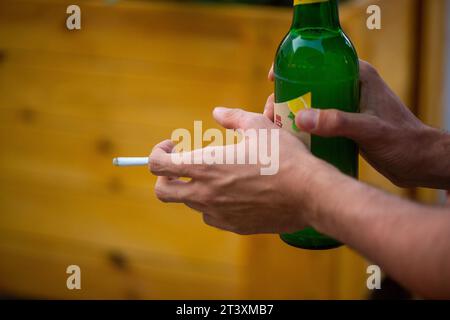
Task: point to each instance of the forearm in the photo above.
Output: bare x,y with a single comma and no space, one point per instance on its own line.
410,242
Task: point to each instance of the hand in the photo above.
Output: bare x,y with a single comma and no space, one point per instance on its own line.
238,198
390,137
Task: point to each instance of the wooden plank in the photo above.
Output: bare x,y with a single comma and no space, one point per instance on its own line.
114,34
72,101
65,198
431,82
217,30
34,263
392,49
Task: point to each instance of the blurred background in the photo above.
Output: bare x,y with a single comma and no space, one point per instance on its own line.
72,100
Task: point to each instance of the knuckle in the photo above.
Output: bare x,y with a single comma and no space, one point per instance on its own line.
339,120
333,120
155,165
160,193
234,114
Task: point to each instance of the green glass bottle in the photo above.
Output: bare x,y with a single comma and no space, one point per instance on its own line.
316,66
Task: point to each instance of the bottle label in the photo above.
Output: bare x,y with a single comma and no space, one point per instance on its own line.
297,2
286,112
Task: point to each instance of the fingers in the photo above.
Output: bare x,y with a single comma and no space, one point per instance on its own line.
230,118
335,123
271,75
161,162
269,107
169,190
166,146
240,119
359,127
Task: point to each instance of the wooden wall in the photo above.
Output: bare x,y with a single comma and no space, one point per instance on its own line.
432,75
70,101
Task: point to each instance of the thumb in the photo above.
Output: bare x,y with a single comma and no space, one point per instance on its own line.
335,123
240,119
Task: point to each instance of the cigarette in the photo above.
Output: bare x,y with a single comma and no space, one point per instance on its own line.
130,162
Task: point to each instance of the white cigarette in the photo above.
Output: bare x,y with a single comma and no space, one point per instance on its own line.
130,162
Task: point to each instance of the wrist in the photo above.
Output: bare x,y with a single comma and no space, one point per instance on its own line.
318,196
434,159
343,199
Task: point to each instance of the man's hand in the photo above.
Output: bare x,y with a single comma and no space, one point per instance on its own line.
238,198
390,137
409,241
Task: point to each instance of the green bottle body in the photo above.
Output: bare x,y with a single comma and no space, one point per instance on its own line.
317,58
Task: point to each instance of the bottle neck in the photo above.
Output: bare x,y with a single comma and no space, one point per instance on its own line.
316,14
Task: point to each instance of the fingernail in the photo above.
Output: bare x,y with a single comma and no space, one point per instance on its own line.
219,110
308,119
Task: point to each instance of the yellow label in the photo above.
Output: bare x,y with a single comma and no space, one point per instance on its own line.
297,2
303,102
285,113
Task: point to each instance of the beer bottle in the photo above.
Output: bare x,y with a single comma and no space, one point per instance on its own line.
316,66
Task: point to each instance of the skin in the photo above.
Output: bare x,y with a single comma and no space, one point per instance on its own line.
409,241
390,137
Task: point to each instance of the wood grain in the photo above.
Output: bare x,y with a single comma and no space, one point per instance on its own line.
70,101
